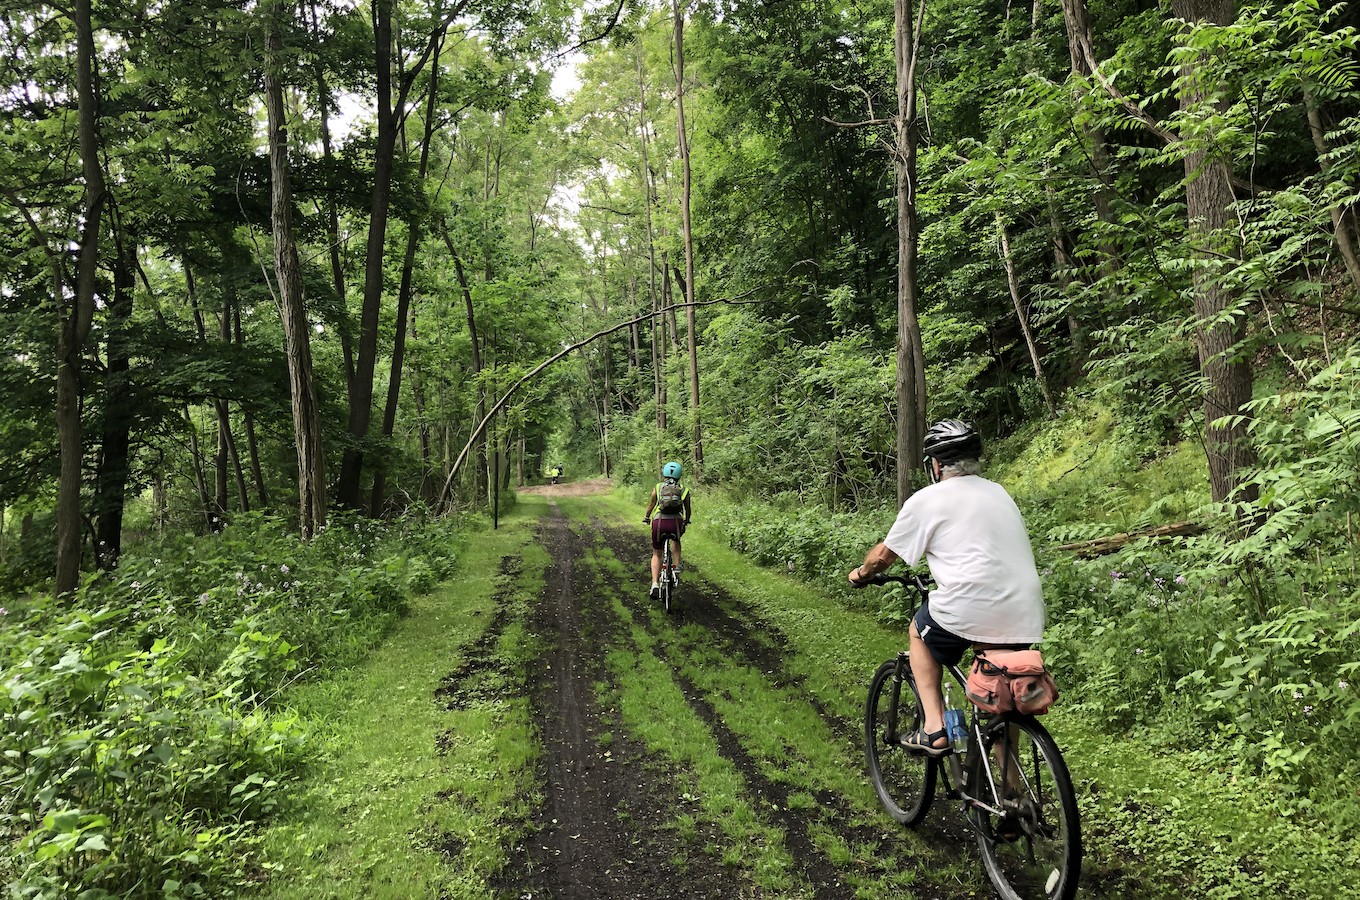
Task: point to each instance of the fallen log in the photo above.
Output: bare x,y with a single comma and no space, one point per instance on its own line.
1102,545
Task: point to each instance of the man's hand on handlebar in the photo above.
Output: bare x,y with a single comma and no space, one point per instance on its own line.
646,520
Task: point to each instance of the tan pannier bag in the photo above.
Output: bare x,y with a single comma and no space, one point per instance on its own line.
1005,680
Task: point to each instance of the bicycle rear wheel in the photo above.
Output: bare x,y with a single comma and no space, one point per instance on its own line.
905,781
1031,848
667,585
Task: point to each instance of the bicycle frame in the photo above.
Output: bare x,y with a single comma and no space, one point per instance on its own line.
953,772
1009,778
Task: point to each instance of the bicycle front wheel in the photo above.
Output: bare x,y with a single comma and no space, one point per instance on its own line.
905,781
1030,837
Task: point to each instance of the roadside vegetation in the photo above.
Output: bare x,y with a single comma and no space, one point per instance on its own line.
146,721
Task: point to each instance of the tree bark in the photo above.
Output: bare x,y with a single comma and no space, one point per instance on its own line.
78,314
911,371
1013,281
1209,196
479,486
292,301
685,224
415,231
1343,217
111,480
323,94
349,485
252,446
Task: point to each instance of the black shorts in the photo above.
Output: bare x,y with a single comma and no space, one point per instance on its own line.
947,648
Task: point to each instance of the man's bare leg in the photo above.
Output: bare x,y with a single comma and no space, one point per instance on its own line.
927,673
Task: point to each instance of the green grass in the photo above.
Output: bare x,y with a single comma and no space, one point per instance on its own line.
1158,823
384,815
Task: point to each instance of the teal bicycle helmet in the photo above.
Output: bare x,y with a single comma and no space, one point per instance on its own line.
671,470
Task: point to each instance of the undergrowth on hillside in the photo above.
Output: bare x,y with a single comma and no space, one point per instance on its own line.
143,737
1239,647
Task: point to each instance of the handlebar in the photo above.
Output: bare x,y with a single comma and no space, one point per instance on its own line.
911,580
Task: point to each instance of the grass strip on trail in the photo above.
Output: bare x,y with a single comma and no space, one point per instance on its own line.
413,798
1157,825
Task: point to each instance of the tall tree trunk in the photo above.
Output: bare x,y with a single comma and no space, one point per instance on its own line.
480,410
292,301
1208,195
349,485
422,418
1013,280
210,516
323,94
683,145
252,447
111,481
1082,54
911,368
78,314
1343,217
415,231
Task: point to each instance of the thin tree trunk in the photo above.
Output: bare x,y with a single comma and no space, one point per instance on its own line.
685,224
205,501
111,480
418,397
1082,54
480,410
292,301
332,209
1013,280
1343,217
78,315
911,377
414,233
252,446
1209,196
349,485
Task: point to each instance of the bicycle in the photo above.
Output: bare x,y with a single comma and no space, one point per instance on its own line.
1010,779
670,582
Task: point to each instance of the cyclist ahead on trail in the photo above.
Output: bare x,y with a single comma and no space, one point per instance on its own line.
670,499
987,587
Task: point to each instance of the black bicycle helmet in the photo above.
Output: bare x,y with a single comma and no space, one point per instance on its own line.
951,440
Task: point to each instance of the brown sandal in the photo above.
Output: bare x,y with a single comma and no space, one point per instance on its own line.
922,742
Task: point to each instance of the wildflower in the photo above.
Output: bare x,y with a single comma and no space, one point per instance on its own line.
1115,574
1180,579
1139,651
1298,695
284,569
1159,581
3,611
136,585
155,562
204,598
1343,684
1307,710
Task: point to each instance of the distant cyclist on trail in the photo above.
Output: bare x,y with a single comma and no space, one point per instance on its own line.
987,591
670,499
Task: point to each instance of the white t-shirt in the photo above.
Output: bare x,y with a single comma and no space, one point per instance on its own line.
974,540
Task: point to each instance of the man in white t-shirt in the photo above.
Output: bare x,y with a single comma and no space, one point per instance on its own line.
987,591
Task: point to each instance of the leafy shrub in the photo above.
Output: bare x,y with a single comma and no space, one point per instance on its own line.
141,742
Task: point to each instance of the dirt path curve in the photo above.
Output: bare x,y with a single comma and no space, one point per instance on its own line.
600,834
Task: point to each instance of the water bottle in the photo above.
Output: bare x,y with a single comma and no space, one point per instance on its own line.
953,721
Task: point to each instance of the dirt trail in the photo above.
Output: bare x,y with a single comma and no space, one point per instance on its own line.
601,831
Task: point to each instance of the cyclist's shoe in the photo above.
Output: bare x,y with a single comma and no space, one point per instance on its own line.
656,591
923,742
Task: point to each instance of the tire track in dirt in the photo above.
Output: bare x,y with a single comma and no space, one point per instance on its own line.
600,835
475,678
706,604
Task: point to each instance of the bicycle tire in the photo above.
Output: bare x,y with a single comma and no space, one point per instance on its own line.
904,781
1032,851
667,587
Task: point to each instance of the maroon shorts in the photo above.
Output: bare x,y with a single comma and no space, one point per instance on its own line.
666,525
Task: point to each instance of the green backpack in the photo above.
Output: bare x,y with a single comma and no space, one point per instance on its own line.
670,498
